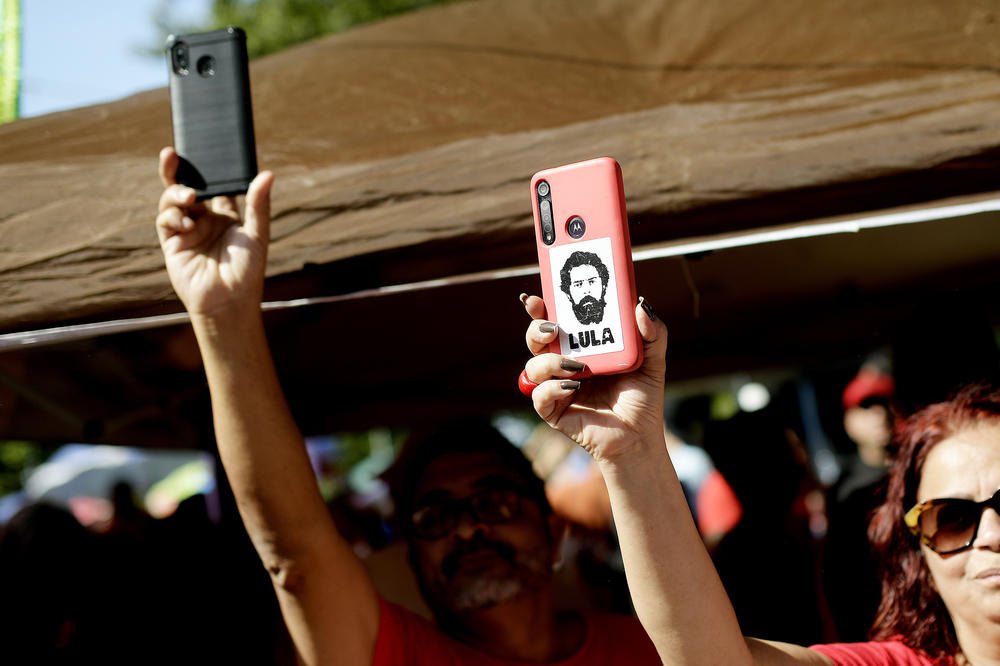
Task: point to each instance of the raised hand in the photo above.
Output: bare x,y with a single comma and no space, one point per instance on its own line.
214,262
608,415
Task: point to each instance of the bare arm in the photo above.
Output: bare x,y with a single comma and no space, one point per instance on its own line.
216,265
677,593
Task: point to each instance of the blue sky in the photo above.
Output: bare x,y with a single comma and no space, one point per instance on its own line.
77,53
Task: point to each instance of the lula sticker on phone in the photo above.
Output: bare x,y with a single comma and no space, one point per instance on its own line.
586,296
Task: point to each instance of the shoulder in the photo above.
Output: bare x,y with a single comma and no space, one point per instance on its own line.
404,635
407,639
615,639
876,653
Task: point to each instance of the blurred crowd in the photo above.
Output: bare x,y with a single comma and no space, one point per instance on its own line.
191,589
134,589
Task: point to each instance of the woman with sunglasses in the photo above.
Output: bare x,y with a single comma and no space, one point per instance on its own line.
943,596
938,533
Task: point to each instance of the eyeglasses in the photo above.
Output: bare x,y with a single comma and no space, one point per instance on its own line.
948,525
498,505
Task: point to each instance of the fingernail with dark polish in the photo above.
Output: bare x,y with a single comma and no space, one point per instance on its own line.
647,308
524,299
570,364
569,385
547,327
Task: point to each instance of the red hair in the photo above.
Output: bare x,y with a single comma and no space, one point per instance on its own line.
911,608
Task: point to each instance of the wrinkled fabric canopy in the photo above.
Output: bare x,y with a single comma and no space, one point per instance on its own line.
403,150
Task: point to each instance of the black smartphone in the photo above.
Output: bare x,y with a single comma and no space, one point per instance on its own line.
211,111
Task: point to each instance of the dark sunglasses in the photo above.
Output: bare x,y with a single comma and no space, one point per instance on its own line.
498,505
948,525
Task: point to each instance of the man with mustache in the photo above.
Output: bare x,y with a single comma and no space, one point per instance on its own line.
483,540
584,280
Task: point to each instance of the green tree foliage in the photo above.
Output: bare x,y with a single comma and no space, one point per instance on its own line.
15,459
272,25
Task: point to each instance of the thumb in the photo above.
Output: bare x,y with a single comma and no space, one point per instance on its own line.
257,217
653,331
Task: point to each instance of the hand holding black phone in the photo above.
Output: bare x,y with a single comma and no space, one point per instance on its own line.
211,111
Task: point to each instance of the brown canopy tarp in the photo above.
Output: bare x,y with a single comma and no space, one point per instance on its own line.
403,151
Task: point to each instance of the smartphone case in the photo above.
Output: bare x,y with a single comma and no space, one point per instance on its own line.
211,111
588,281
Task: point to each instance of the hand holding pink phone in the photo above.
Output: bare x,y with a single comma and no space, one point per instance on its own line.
585,258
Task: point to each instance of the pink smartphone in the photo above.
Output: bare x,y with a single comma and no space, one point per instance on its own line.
585,257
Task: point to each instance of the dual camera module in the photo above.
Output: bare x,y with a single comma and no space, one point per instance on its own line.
575,226
180,57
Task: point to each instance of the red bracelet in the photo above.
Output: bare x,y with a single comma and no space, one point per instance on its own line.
526,385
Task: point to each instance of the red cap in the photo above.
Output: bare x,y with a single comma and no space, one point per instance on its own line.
867,384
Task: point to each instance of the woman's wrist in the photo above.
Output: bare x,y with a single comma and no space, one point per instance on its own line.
640,448
641,482
232,314
228,327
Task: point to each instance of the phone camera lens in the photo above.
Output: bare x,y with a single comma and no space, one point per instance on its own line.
181,61
206,66
542,191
